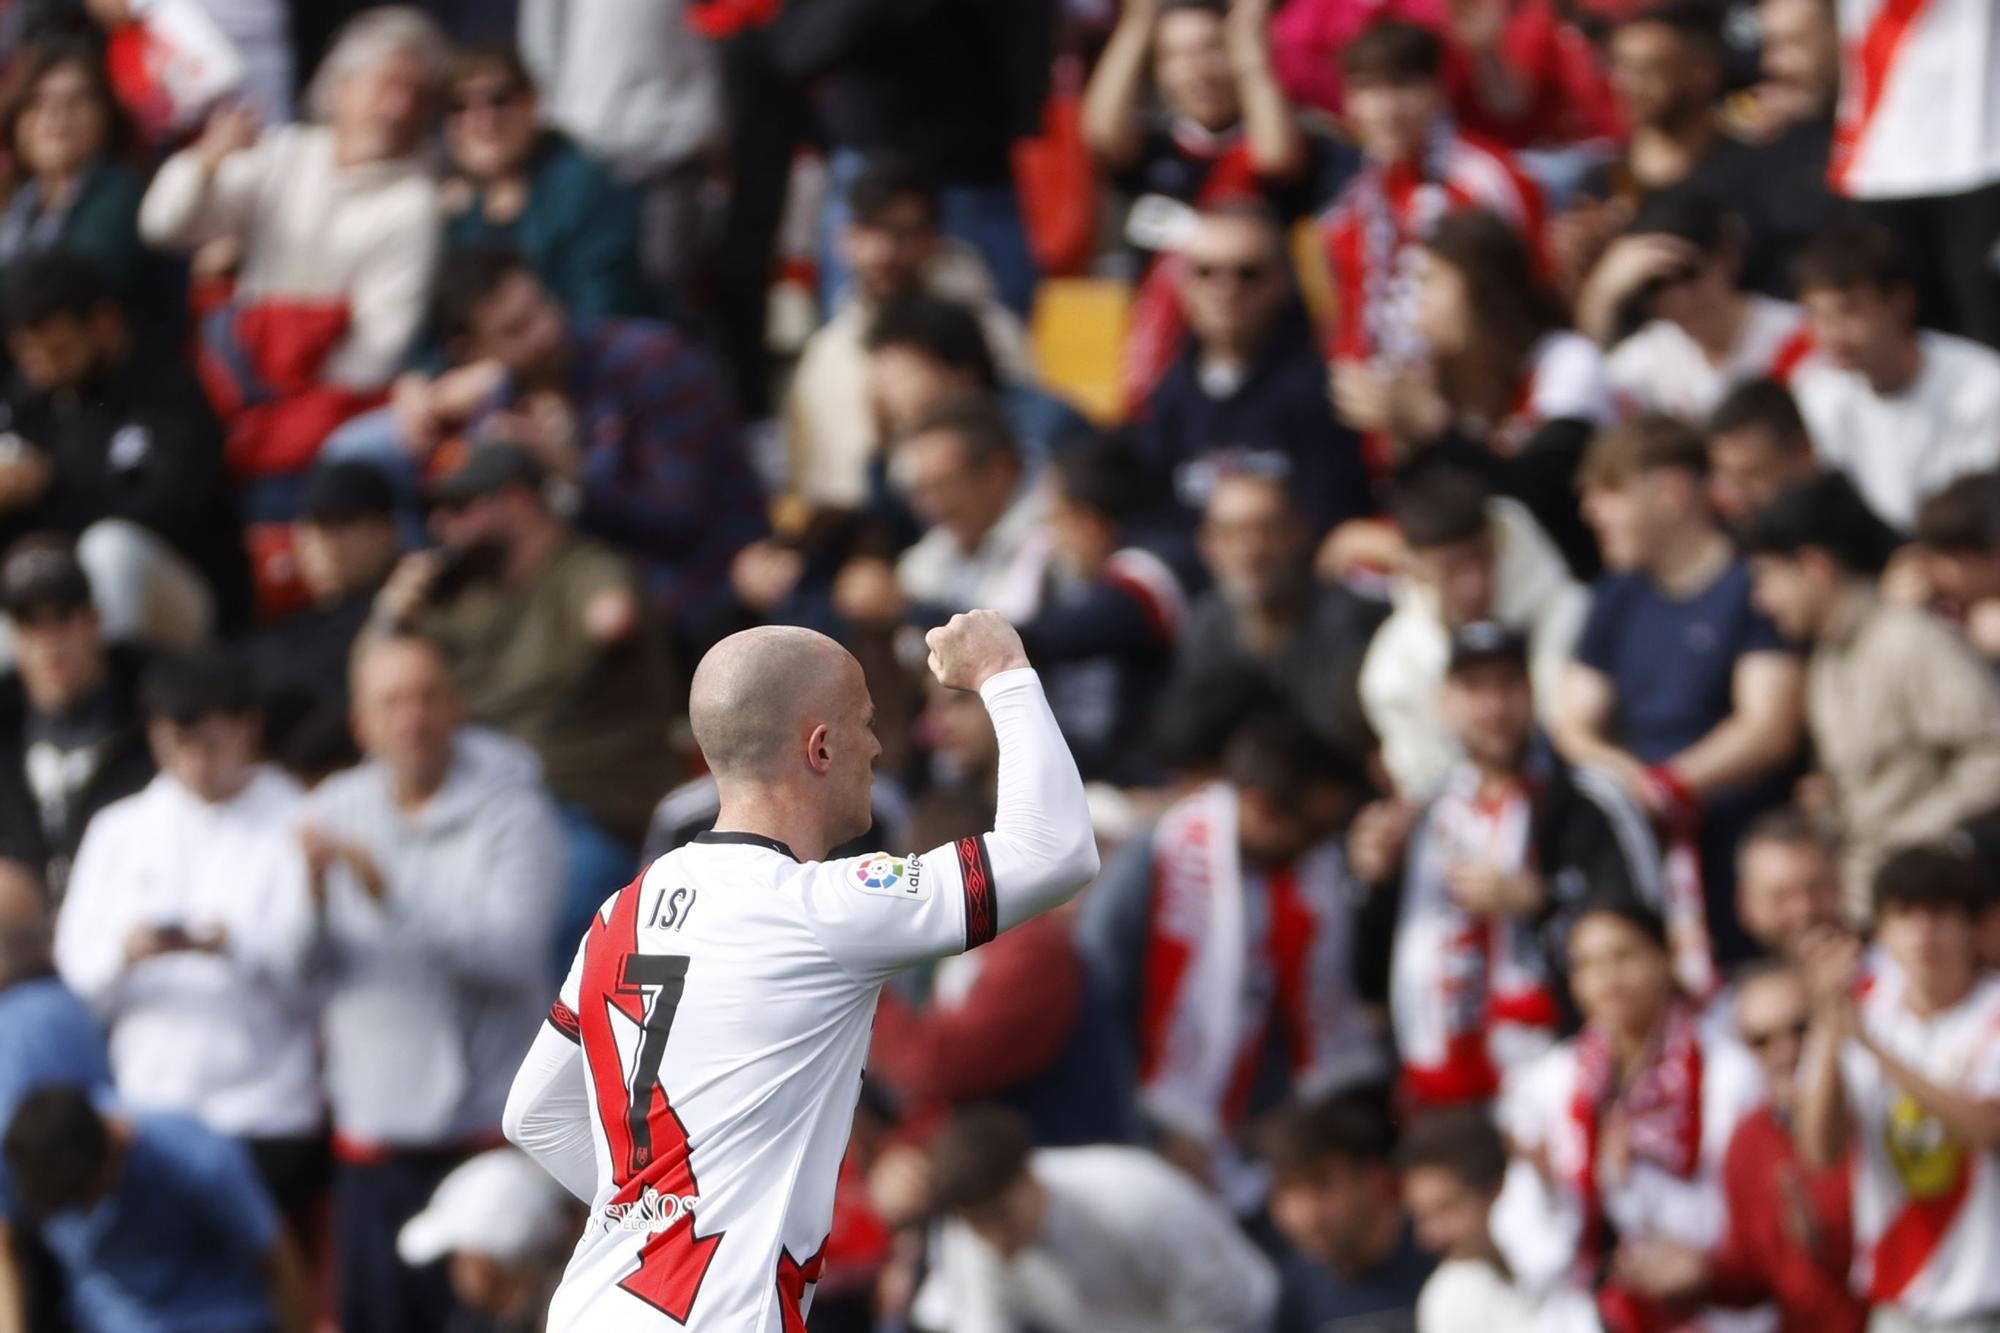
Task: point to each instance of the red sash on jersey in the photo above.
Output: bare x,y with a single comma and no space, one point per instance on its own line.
1662,1112
1868,63
1157,328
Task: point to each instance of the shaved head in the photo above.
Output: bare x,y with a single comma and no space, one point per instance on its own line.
757,694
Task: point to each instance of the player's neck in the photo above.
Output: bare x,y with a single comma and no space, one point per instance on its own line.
772,815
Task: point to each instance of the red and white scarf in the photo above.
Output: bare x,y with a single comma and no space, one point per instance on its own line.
1226,954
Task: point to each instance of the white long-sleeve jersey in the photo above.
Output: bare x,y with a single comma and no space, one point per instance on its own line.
697,1078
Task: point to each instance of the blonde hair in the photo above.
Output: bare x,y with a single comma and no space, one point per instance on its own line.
369,38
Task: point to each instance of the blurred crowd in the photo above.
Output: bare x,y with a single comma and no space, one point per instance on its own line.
1504,497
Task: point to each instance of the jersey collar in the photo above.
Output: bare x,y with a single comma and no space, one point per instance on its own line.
748,839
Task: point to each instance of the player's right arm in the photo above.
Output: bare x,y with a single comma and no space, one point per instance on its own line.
548,1108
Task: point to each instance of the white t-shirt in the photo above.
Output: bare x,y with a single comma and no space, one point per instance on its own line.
1902,450
1919,98
1940,1266
1661,369
1472,1294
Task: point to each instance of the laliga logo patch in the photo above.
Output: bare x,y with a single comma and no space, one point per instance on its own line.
890,876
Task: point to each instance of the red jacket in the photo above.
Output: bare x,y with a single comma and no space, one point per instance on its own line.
1790,1238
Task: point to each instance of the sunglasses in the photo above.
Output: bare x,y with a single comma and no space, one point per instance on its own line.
1759,1041
502,100
1243,273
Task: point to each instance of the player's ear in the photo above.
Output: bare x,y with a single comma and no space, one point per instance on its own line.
818,757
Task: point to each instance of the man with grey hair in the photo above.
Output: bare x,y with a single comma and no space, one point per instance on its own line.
699,1071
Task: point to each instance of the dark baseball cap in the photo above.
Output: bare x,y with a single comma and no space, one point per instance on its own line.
1484,641
41,576
346,491
487,468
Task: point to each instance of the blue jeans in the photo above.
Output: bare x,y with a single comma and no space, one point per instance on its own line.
985,217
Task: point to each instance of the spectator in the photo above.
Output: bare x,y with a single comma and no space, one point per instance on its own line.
337,226
1471,558
434,869
1787,883
637,88
1789,1239
1676,267
504,1231
1757,446
628,416
549,641
115,447
1081,1240
1905,719
1902,410
891,241
157,1222
1960,563
1417,168
1682,691
1900,1083
187,926
1788,119
1453,1163
1352,1255
516,184
75,190
1248,390
1231,923
1619,1133
70,727
345,543
1267,617
1497,866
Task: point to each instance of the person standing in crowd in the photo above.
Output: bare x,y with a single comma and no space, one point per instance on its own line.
1498,863
1248,389
515,183
1902,1084
1904,717
1901,409
72,739
1676,267
1757,446
502,1227
115,446
156,1222
1620,1132
1471,557
1230,927
1787,883
1682,691
1789,1240
435,873
1351,1252
337,224
1100,1239
187,929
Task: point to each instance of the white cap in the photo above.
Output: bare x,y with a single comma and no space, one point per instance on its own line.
499,1204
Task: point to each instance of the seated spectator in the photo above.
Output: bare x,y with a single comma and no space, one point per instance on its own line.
1789,1240
72,739
1247,391
1757,446
1080,1240
1417,168
1902,410
1902,1085
435,870
517,184
1266,616
504,1230
1496,866
1229,925
337,226
1787,883
893,245
75,190
344,540
115,447
1676,269
1453,1164
629,417
1904,717
1682,691
1471,558
157,1222
187,925
548,641
1960,559
1352,1253
1619,1133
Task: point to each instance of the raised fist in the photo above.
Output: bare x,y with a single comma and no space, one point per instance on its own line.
972,647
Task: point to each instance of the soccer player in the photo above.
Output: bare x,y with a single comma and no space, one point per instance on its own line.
698,1074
